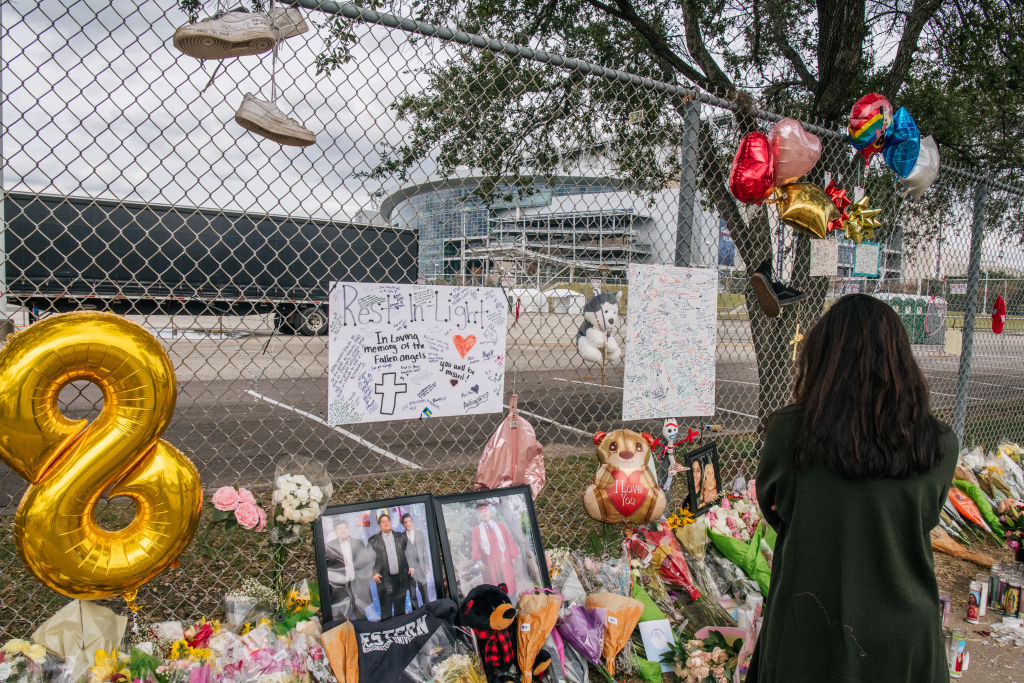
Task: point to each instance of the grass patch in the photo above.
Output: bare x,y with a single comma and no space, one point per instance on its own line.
990,423
729,302
955,320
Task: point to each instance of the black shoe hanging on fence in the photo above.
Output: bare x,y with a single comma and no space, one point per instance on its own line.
771,294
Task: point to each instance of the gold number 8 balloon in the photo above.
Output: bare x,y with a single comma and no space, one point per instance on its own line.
71,464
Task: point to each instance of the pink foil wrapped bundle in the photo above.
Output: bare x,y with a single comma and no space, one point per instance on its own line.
199,674
512,456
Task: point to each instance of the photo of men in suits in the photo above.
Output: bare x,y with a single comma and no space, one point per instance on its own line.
391,570
348,570
417,553
374,568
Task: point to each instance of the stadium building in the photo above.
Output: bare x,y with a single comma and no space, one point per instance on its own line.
566,227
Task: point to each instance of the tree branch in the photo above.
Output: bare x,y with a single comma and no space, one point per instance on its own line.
699,52
664,55
807,79
920,13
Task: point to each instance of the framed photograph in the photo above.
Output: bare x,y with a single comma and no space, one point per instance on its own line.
491,537
703,479
377,559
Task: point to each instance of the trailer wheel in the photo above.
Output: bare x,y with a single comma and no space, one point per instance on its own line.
311,321
283,323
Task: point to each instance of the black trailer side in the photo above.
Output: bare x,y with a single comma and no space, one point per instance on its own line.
72,253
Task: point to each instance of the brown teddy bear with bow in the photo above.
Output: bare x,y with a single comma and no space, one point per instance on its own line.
624,487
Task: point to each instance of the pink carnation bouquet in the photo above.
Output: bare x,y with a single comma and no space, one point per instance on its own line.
233,508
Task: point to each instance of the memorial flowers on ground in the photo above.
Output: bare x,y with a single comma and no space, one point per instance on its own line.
1011,515
711,660
21,660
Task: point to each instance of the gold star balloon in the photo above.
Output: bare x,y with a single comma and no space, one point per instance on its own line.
861,222
806,208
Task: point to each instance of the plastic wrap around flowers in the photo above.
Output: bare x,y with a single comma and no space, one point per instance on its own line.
302,489
737,530
737,518
208,653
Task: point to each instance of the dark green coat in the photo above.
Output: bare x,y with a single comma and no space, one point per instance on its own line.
853,592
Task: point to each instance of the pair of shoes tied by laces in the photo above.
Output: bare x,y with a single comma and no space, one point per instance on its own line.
238,34
264,118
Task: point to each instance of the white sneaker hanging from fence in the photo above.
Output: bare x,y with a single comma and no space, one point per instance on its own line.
238,33
264,118
289,21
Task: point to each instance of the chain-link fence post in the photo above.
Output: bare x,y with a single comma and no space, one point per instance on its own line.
963,376
4,324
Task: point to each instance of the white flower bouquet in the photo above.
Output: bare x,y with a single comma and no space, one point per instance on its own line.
302,489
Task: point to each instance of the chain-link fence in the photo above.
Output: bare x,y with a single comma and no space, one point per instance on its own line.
444,158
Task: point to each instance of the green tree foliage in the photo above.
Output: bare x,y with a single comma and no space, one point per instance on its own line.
515,119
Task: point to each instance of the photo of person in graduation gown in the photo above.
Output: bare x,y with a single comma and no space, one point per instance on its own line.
348,570
390,567
417,553
494,549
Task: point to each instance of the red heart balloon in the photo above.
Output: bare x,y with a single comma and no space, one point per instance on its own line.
628,494
752,175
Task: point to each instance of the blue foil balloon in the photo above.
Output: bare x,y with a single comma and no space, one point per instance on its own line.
903,143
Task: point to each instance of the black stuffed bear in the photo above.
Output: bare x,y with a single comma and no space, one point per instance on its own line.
489,612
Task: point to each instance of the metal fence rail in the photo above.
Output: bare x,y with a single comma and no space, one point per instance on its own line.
129,187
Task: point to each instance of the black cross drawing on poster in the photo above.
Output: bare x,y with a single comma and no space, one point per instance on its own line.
388,390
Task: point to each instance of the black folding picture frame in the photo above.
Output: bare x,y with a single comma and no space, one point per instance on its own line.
703,455
458,591
326,601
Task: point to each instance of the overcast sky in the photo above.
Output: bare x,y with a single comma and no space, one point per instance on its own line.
97,101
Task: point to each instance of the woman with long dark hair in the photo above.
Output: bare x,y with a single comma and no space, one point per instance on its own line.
852,477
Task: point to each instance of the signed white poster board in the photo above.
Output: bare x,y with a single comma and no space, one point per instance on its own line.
670,343
400,352
866,259
824,258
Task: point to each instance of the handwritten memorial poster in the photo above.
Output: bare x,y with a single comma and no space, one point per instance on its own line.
670,342
824,258
400,352
866,259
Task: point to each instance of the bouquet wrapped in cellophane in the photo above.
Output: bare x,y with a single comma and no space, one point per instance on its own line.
446,657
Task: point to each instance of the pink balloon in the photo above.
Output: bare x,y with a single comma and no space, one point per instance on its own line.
795,150
752,176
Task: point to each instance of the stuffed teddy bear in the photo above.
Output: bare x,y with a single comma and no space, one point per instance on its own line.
594,339
541,666
624,488
489,612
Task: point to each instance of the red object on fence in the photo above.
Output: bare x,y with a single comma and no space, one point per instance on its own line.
998,315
